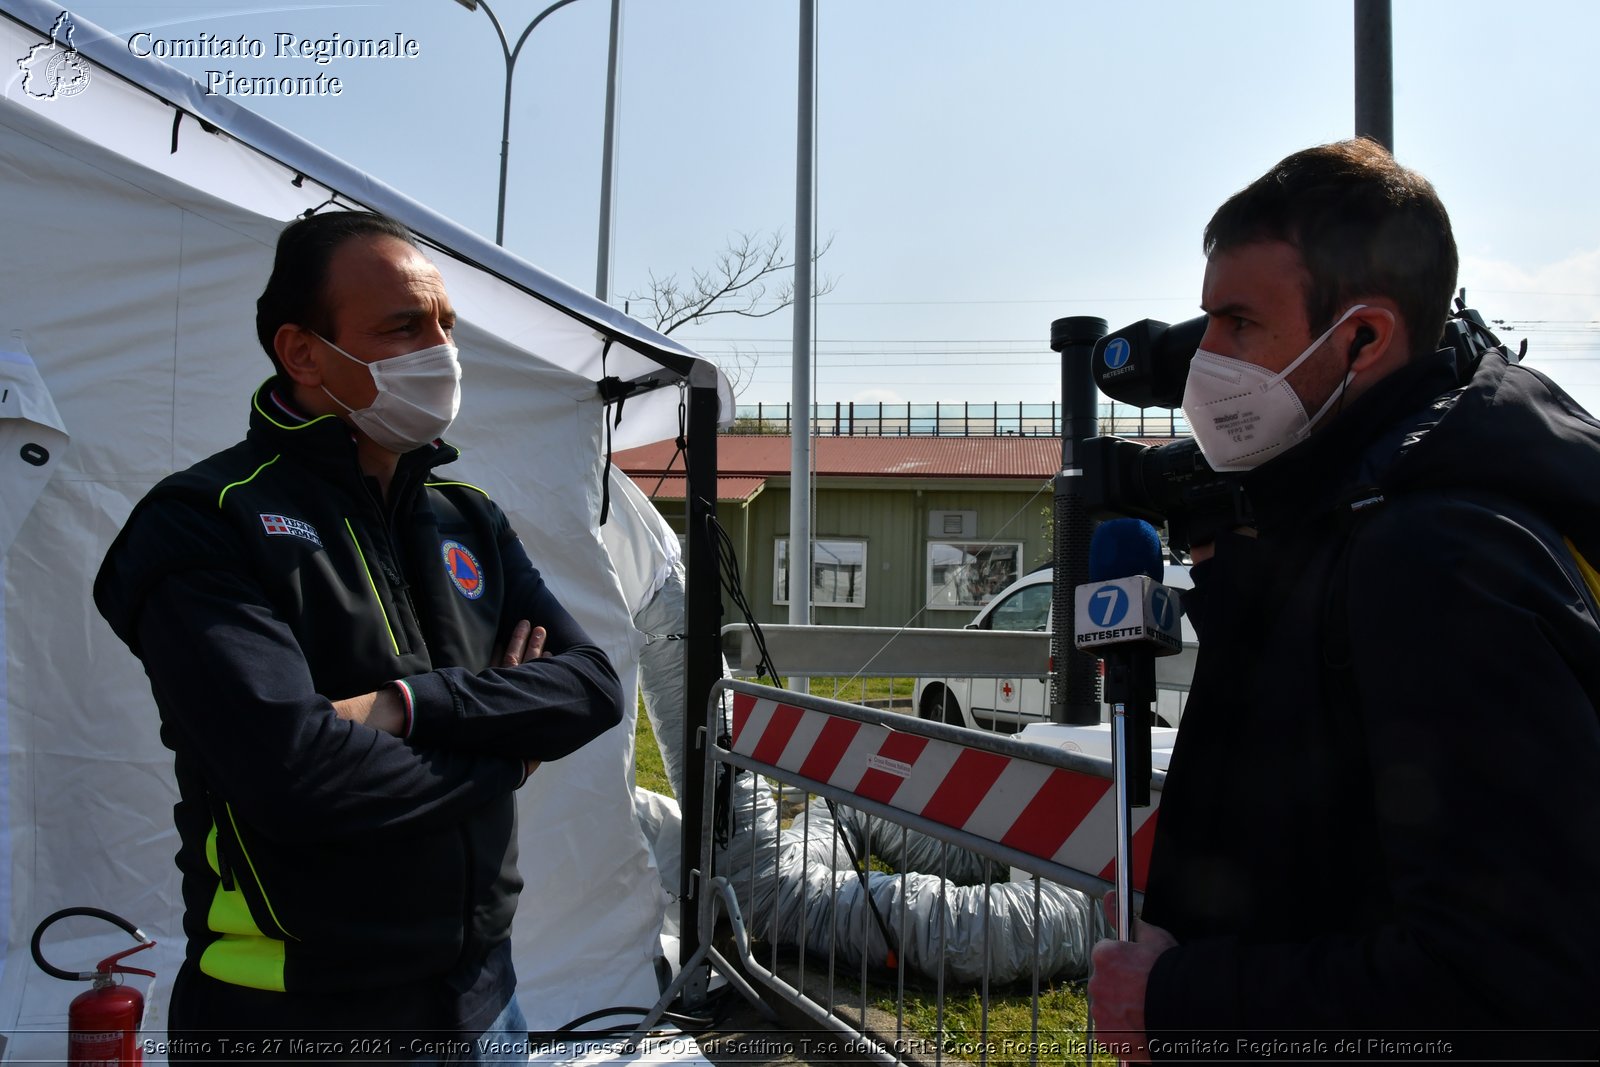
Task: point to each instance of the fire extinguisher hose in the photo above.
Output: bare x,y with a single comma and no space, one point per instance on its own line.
105,966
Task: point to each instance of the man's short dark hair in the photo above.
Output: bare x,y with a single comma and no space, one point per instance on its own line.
294,293
1362,223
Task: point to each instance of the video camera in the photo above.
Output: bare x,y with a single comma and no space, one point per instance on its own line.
1146,365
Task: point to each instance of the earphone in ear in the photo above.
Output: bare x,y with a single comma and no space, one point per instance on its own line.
1364,337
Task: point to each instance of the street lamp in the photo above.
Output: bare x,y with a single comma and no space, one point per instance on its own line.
511,52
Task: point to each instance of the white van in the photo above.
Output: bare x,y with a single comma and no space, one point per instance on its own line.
1006,705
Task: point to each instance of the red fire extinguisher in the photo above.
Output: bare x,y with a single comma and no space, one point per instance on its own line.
103,1022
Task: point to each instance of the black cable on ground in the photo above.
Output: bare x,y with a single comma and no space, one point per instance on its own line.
728,570
693,1021
859,866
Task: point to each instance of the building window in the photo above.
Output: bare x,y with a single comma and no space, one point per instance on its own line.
964,576
838,573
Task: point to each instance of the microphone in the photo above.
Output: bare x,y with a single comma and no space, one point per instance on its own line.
1128,618
1124,602
1121,547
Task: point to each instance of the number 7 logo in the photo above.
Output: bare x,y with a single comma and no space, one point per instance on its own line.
1107,605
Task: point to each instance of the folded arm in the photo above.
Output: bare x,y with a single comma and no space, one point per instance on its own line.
543,708
234,687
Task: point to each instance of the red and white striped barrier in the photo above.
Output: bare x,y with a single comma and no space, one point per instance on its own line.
1068,817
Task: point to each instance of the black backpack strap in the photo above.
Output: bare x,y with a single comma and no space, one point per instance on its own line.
1337,657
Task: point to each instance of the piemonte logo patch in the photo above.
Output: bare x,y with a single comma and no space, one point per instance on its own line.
462,567
283,526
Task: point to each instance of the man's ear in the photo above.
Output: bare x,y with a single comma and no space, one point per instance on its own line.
296,347
1377,338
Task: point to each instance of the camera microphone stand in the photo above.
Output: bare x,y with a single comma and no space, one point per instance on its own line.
1130,689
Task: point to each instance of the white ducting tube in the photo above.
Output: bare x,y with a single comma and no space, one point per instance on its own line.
931,923
796,887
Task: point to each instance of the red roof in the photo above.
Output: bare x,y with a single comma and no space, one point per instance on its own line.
729,490
765,455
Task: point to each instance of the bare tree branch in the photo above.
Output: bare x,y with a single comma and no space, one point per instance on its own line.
738,282
752,277
739,365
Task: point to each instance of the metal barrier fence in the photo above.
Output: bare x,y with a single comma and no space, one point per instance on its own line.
1039,821
925,671
955,419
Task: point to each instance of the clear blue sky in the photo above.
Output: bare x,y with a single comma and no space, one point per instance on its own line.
982,167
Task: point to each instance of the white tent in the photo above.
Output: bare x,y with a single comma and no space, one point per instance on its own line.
138,218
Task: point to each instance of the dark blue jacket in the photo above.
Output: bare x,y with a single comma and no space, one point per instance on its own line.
1382,814
266,582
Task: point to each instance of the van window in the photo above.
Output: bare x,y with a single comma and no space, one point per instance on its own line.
1026,609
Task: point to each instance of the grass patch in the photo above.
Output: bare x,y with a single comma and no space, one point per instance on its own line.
859,690
1010,1040
863,690
649,772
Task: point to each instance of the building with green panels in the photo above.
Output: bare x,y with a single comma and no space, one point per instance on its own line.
906,530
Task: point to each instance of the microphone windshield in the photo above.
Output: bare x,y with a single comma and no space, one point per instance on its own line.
1122,548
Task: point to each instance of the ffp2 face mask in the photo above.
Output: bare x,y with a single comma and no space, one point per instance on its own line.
1241,414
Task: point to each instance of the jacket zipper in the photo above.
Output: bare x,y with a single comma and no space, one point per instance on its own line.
398,580
387,518
231,877
372,583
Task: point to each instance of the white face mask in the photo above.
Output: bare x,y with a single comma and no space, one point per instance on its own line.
418,396
1241,414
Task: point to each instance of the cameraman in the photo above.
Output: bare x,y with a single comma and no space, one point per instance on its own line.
1381,822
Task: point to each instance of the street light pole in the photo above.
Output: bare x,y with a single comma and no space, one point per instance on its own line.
1375,71
800,378
511,53
602,258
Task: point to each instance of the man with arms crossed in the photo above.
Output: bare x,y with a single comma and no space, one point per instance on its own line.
1379,823
356,666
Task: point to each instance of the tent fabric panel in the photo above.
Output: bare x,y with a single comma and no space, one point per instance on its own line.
116,115
213,324
137,299
32,439
90,790
111,316
641,544
254,160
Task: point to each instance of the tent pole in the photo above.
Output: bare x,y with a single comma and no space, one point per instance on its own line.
703,667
